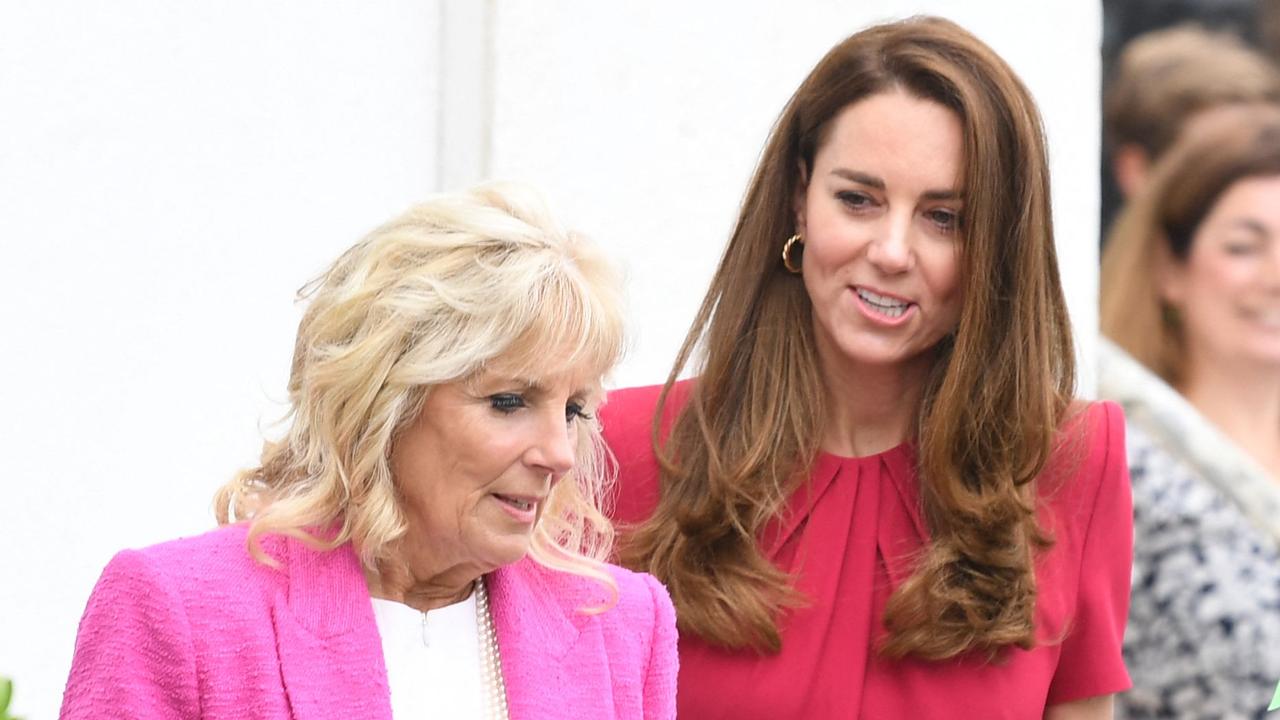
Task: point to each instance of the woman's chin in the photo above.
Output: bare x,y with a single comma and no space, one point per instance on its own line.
500,549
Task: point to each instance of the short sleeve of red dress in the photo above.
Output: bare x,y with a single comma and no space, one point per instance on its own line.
1090,662
848,536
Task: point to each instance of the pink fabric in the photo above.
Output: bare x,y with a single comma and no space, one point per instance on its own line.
196,628
848,537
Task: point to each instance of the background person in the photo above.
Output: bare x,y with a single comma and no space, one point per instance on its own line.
1162,79
426,539
877,498
1191,291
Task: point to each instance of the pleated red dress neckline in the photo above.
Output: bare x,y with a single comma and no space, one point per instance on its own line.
846,536
850,535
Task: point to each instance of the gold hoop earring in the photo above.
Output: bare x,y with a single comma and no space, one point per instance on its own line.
786,254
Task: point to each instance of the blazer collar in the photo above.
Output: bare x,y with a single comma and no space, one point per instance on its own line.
538,618
331,657
330,651
535,610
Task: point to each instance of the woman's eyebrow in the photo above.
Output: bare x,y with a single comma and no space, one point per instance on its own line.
488,382
859,177
523,384
1251,225
879,184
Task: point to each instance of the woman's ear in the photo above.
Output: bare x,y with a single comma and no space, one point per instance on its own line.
1170,276
798,202
1130,166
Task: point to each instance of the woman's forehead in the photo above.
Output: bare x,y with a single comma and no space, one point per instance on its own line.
541,375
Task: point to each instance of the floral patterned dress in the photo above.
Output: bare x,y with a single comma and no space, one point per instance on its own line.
1203,638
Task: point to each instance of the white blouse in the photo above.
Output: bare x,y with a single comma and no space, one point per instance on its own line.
433,659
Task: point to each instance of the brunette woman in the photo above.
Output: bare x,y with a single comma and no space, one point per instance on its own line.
878,498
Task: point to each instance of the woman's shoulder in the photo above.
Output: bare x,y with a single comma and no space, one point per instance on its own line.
627,421
643,611
1083,577
624,635
636,599
1089,446
1097,418
639,398
634,621
203,585
213,564
627,416
1088,469
641,593
221,551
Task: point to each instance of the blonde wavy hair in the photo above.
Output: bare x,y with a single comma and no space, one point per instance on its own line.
454,284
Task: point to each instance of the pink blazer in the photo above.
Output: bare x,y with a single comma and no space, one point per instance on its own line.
195,628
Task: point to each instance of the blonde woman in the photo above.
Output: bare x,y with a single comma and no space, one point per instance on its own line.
426,539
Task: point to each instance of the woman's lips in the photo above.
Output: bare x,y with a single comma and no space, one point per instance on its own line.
523,508
883,309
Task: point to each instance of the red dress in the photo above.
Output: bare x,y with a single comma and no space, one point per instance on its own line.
847,538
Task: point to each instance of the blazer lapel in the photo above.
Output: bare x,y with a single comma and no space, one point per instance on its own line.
330,651
537,622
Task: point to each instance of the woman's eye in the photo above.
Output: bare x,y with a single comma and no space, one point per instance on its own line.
574,411
506,402
854,200
945,219
1240,249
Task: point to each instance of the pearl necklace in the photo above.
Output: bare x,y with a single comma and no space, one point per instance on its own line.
495,700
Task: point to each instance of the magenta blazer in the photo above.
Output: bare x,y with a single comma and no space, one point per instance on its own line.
196,628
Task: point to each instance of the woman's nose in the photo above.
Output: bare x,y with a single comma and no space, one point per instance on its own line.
890,249
1271,272
554,450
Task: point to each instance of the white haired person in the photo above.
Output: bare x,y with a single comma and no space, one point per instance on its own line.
426,539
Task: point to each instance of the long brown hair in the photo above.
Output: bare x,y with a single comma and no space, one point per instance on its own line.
1224,146
752,423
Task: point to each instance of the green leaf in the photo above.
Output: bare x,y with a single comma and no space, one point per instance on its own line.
6,692
1275,700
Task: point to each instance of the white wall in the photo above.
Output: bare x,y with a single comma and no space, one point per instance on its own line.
171,172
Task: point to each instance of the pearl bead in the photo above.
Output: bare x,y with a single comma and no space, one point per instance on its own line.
490,657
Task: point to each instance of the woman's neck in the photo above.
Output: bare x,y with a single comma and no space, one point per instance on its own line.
870,408
1243,400
422,585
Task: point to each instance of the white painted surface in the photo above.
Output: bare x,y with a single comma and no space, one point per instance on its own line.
644,122
171,172
466,92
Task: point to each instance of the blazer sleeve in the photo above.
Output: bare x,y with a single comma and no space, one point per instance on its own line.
134,654
1091,663
663,666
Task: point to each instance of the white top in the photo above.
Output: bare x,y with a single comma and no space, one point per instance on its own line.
433,660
